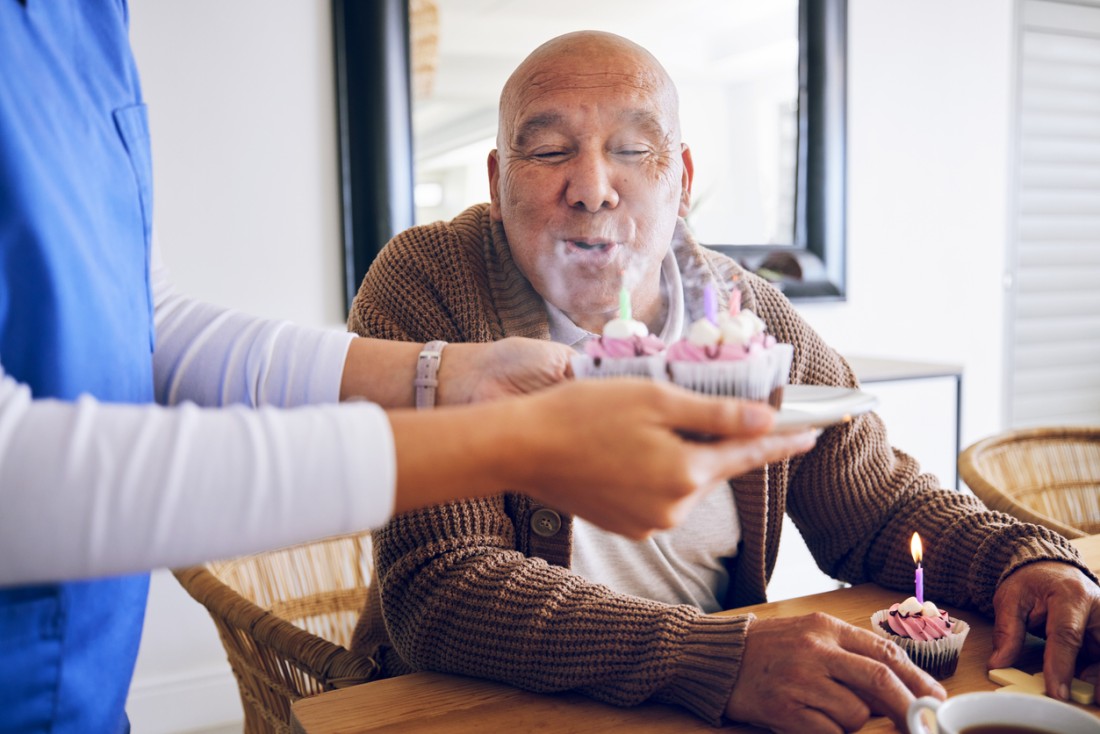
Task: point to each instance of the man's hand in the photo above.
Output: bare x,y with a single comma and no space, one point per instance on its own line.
472,373
817,673
1056,601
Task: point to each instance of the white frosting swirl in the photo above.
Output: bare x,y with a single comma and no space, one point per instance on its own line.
618,328
740,329
910,606
703,333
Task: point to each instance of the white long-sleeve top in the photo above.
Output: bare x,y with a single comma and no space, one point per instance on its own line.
217,468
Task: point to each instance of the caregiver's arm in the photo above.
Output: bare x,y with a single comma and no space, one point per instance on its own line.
612,451
93,489
215,356
124,488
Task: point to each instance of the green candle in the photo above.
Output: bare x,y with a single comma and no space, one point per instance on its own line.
624,304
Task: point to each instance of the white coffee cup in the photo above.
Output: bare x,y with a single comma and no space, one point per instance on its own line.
989,707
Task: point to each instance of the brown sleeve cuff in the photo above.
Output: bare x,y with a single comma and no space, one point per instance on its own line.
707,666
1013,546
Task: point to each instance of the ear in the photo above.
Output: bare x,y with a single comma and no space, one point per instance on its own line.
685,182
493,164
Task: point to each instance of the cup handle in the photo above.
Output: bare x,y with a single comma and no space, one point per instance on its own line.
918,707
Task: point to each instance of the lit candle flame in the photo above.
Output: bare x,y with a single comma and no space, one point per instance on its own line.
916,548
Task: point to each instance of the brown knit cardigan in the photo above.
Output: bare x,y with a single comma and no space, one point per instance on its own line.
468,587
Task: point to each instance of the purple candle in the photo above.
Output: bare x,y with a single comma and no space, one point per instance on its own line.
710,303
917,550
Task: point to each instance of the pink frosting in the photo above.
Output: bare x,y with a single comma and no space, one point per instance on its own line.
635,346
684,351
918,626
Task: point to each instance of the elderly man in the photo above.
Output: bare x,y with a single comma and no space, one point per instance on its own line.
590,178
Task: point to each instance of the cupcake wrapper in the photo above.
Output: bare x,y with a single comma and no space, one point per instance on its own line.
755,378
938,658
589,368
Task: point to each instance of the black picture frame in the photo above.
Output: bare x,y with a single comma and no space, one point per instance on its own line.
374,105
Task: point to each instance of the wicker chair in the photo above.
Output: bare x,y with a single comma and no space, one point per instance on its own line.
1048,476
285,619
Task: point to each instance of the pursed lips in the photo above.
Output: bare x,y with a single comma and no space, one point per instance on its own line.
592,244
592,251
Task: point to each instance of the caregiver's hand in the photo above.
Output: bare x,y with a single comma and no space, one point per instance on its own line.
383,371
471,373
611,451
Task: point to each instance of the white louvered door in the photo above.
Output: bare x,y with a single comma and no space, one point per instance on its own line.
1054,303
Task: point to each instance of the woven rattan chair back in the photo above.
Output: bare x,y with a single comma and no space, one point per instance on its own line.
1048,476
285,619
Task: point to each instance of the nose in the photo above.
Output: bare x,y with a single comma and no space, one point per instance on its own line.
590,186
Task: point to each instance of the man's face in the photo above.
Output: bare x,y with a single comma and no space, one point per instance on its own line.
589,178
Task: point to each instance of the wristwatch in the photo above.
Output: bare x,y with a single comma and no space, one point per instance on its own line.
427,369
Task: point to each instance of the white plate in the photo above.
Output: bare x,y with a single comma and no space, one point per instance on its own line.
817,406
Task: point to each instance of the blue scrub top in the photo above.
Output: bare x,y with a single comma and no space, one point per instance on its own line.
75,318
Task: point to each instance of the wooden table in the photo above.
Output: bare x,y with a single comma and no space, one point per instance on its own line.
435,702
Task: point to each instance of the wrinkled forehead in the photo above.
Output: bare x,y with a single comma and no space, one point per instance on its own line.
629,86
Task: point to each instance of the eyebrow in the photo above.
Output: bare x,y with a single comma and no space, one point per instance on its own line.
649,122
535,124
645,119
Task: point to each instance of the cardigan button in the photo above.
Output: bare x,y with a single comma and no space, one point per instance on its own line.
545,522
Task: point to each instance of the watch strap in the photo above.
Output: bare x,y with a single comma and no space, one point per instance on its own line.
427,371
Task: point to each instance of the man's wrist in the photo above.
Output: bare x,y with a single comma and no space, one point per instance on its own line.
426,382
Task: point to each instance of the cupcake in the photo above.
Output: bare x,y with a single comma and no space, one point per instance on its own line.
730,354
931,638
625,349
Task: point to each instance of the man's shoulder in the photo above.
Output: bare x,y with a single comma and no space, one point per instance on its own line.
435,238
428,282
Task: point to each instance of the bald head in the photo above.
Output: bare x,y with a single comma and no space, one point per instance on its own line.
590,175
588,60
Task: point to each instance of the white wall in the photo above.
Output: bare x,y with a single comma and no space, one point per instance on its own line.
242,112
928,149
